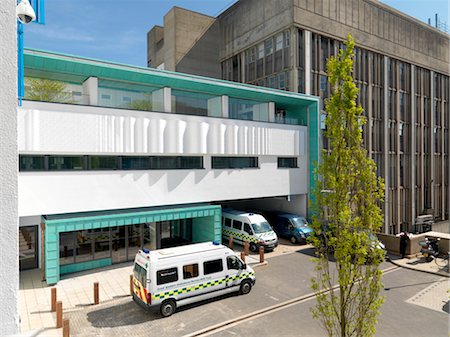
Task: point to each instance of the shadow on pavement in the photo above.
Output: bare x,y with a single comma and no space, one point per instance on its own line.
130,313
446,307
409,285
124,314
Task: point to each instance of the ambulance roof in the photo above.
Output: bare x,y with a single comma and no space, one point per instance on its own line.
253,217
195,248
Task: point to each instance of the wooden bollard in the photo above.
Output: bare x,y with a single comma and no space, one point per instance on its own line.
261,254
96,295
58,314
53,309
243,256
246,248
131,285
230,242
66,328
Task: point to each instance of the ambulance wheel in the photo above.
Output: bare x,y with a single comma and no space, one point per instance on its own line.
246,286
168,307
253,247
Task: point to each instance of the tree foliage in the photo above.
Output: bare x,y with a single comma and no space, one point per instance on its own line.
347,214
40,89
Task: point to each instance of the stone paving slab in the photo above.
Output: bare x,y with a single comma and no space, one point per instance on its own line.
435,296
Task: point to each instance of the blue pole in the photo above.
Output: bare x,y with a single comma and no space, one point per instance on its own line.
20,70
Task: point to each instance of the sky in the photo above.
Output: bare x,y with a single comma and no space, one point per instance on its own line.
116,30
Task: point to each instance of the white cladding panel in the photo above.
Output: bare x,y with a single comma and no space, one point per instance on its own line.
79,191
55,128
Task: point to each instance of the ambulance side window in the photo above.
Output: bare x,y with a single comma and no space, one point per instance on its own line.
213,266
237,225
248,229
166,276
227,222
190,271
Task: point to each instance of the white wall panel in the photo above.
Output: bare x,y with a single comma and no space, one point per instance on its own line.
79,191
57,128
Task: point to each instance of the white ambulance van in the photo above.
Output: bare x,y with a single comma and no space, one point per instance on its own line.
173,277
250,227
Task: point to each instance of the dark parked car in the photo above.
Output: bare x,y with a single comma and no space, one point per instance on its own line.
290,226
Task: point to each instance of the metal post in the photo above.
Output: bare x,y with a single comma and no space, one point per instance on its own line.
96,295
58,314
53,309
243,256
246,248
66,328
230,242
261,254
131,285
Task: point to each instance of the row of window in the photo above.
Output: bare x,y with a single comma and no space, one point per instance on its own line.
170,275
62,163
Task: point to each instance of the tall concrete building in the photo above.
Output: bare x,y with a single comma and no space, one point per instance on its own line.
401,69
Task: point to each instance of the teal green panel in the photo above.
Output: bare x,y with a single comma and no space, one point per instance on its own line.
203,229
314,147
51,253
76,267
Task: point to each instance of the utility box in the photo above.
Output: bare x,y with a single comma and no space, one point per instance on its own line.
423,223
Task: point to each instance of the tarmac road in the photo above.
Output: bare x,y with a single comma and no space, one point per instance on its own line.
285,277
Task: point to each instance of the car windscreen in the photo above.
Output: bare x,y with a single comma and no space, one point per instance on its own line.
261,227
299,222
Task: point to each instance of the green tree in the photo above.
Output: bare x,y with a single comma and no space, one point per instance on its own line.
144,104
347,214
40,89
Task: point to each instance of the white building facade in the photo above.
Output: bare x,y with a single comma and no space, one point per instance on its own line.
125,157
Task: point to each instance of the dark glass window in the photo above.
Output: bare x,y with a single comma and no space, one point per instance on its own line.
248,229
170,163
166,276
233,262
227,222
287,162
66,248
135,163
211,267
140,274
234,162
31,163
190,271
60,163
103,163
237,225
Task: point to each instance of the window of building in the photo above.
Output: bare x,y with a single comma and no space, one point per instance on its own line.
213,266
103,162
31,163
66,248
190,271
287,162
135,163
234,162
60,163
166,276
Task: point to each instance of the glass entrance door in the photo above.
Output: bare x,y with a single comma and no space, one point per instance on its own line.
175,233
27,247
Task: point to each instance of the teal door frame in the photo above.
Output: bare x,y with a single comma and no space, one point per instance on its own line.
204,215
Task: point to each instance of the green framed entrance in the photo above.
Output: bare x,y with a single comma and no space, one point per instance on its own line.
86,241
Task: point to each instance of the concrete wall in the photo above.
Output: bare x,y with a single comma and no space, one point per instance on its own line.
392,243
183,30
203,56
377,27
155,45
251,21
9,271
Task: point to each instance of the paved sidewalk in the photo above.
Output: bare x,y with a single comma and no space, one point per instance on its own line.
76,291
419,263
